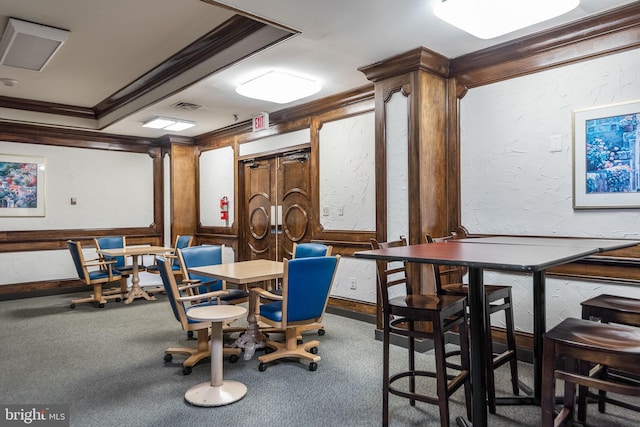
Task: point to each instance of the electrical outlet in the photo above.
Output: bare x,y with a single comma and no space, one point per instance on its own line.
353,283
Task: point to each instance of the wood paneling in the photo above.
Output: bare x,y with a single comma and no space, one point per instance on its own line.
183,190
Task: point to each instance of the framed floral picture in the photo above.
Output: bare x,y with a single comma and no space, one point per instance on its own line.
22,185
606,157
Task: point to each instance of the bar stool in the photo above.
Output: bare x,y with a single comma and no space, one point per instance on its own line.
582,343
497,298
407,317
609,309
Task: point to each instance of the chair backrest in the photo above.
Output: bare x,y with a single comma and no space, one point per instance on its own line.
306,287
112,242
183,242
450,273
391,273
171,288
199,256
305,250
78,260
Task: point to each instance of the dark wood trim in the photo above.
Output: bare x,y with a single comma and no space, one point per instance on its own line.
47,135
604,34
222,37
47,107
420,59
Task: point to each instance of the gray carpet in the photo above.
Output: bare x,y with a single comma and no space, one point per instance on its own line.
107,364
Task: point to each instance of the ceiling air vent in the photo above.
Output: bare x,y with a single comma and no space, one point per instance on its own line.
186,106
28,45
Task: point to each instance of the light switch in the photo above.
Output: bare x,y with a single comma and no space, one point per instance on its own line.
555,143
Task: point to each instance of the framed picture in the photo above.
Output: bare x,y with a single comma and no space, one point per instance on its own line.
22,185
606,157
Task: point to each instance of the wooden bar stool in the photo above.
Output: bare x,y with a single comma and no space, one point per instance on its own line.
420,317
581,343
497,298
609,309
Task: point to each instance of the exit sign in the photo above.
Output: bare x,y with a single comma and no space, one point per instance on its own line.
260,121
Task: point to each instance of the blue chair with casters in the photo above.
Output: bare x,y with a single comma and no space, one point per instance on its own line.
200,256
117,242
180,304
306,286
105,274
182,241
307,250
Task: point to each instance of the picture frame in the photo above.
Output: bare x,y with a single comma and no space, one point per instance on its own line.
22,185
606,157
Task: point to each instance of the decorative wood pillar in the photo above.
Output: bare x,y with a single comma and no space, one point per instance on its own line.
183,188
420,78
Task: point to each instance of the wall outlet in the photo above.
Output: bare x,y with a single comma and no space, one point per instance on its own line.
353,283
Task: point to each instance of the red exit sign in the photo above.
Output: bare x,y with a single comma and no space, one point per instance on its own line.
260,121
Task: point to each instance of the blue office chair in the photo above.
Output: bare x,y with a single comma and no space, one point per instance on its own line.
180,305
105,275
180,243
306,286
199,256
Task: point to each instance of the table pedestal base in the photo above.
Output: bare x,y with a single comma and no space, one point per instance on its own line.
251,340
206,394
138,292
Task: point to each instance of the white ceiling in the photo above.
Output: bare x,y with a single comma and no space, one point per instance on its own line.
114,42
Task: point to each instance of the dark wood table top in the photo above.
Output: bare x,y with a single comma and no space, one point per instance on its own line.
526,258
601,244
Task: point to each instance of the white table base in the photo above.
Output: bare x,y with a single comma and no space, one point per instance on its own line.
206,394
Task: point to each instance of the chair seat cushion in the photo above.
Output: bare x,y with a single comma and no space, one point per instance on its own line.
272,311
103,274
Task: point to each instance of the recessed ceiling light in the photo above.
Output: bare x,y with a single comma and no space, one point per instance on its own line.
487,19
168,124
278,87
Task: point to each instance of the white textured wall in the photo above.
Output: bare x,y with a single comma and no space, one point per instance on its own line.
112,189
347,180
513,183
216,181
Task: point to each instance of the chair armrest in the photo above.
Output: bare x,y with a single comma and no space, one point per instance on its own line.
208,295
195,284
262,293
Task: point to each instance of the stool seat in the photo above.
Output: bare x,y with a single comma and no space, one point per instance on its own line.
582,344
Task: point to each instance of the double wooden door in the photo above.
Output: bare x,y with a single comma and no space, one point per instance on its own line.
277,201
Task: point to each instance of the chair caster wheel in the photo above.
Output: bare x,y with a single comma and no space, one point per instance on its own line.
168,358
299,341
190,335
321,332
118,299
262,367
101,305
150,294
234,358
313,366
186,370
72,306
313,350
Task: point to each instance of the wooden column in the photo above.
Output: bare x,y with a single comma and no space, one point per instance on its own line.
183,190
421,76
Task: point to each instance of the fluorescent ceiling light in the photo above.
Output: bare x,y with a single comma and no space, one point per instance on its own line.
278,87
168,124
487,19
28,45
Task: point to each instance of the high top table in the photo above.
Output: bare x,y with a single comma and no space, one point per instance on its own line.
526,257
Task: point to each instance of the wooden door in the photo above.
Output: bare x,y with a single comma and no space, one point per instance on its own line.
278,201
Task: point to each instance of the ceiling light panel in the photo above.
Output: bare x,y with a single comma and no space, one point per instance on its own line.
278,87
487,19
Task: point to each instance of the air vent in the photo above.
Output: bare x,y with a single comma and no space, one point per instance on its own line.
186,106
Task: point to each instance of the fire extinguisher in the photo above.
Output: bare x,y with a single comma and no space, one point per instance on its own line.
224,208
